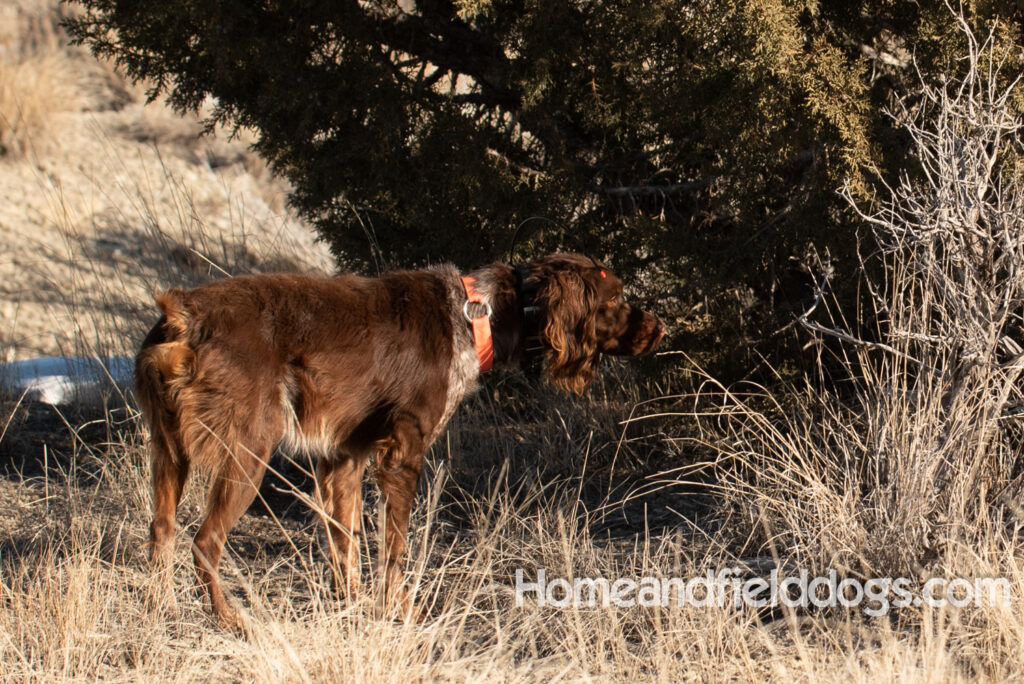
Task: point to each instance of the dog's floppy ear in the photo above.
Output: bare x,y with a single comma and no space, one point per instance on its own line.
568,304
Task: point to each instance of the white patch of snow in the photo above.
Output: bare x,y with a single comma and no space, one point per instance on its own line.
66,379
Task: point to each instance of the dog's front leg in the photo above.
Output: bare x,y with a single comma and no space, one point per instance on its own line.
398,472
340,494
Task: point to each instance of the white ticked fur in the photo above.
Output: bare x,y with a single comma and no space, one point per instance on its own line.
318,443
465,366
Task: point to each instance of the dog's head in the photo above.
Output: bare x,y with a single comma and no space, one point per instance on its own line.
585,315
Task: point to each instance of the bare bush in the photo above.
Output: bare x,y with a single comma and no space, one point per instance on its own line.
925,455
952,238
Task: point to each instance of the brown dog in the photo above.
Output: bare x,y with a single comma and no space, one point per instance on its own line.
346,369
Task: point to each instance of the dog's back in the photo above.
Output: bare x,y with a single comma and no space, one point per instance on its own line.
287,356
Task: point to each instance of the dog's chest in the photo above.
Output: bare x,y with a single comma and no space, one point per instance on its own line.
462,377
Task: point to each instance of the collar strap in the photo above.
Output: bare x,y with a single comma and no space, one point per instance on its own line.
482,339
531,312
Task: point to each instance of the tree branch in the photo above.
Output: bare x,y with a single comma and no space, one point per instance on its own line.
647,190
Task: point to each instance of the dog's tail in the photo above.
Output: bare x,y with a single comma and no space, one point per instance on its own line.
164,366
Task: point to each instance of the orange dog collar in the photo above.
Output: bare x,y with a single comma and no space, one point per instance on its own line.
482,339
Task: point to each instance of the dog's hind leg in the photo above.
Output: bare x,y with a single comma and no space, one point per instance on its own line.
170,472
234,488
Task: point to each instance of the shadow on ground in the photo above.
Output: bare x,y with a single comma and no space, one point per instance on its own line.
65,468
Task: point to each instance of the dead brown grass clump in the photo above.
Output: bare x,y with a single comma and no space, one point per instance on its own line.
37,81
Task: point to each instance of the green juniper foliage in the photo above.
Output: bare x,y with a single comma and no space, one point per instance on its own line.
699,142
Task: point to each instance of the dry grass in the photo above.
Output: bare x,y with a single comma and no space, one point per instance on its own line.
32,89
77,599
36,80
103,272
